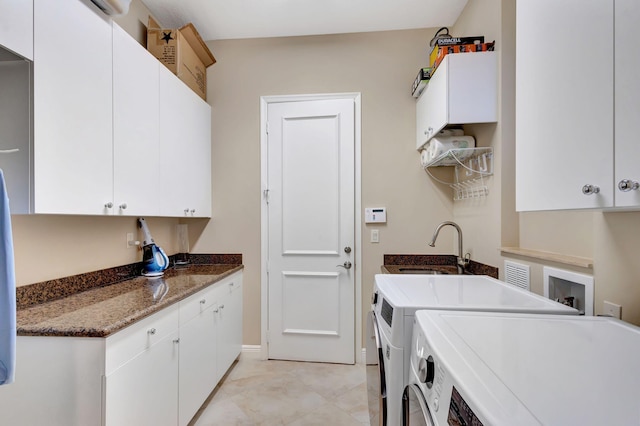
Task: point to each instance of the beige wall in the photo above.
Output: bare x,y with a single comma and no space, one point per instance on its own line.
382,67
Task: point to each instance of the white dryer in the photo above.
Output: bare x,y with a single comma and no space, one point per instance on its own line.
396,298
480,368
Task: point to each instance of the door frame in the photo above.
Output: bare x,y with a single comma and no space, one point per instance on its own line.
264,243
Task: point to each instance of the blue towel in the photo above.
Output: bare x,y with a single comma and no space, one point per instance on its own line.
7,291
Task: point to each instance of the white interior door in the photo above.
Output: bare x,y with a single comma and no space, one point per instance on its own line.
311,285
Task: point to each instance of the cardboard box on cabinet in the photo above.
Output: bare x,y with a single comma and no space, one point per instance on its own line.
183,51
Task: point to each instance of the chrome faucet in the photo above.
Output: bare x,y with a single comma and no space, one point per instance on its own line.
462,261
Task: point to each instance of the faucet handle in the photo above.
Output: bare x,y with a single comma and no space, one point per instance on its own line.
467,258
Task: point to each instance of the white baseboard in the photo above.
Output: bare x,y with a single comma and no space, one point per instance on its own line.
258,349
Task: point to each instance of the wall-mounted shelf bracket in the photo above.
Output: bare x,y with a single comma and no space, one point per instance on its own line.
472,165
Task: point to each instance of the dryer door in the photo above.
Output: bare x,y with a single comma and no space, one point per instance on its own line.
376,385
414,408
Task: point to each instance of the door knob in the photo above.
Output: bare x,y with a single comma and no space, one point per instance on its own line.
345,265
347,249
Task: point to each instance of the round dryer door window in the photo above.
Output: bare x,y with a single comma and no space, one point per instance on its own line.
414,408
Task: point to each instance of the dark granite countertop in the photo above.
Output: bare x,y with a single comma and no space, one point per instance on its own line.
444,263
103,310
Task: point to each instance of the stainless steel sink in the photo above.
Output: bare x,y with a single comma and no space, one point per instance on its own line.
422,271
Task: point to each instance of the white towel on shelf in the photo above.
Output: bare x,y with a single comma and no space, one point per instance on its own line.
7,291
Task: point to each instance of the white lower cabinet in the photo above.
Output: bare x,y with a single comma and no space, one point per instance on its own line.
158,371
210,340
229,324
144,391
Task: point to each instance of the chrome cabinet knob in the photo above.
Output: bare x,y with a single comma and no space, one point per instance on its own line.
193,211
345,265
221,306
109,205
176,340
203,301
123,206
626,185
590,189
186,211
151,331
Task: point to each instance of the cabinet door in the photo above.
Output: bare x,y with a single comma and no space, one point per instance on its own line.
197,363
144,391
136,121
627,100
15,137
432,107
464,89
564,104
16,28
229,322
73,158
185,149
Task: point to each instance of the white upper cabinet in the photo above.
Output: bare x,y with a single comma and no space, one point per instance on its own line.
185,149
136,133
16,26
72,98
627,103
15,132
577,97
462,90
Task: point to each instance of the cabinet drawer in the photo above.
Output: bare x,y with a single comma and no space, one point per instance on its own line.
126,344
197,303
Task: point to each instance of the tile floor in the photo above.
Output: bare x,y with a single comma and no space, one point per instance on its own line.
257,392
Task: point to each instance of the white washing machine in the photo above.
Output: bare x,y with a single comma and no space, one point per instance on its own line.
481,368
396,298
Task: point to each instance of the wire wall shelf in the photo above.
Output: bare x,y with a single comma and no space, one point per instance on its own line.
472,166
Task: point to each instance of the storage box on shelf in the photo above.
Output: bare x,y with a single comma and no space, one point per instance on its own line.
183,51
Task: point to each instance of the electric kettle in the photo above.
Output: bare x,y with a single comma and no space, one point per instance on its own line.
154,259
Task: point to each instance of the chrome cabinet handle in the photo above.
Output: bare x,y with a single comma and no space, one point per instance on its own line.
590,189
221,306
345,265
109,205
151,331
216,310
9,151
123,206
626,185
203,301
193,211
176,340
186,211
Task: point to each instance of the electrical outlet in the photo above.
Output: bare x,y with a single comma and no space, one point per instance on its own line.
611,310
130,241
375,236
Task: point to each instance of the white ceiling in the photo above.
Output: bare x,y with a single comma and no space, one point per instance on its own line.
229,19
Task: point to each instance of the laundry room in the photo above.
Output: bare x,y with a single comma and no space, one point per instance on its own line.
255,205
